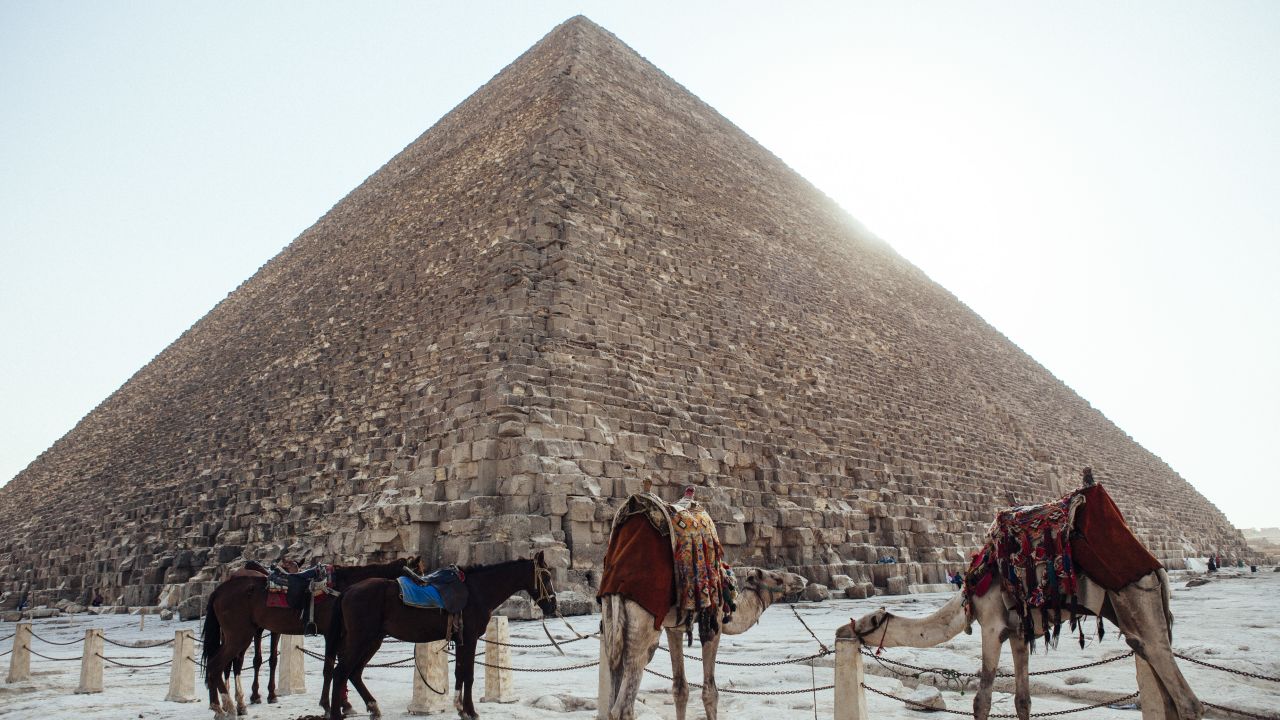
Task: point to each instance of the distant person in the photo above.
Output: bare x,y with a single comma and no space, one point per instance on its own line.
97,599
957,580
1213,565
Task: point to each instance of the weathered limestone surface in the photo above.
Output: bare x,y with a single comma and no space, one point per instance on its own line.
581,278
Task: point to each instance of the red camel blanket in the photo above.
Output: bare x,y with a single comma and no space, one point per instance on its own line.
638,566
1104,547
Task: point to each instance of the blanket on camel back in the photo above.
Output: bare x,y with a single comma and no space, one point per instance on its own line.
660,557
1037,552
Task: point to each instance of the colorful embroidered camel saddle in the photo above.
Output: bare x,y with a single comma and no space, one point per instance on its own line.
1045,556
661,556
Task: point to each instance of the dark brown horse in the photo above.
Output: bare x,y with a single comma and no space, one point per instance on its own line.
237,611
372,609
254,569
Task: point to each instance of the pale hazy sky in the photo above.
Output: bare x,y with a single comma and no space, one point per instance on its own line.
1100,181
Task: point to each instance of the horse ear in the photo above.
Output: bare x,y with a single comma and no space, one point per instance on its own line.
540,558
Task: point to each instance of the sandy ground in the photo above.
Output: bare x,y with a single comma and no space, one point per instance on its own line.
1234,621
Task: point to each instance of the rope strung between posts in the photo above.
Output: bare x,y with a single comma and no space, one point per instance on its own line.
745,692
825,649
1240,712
539,645
137,644
55,642
1227,669
6,652
6,637
947,672
557,669
45,657
1114,701
791,661
116,662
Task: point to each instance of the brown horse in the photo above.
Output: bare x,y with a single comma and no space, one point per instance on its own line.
237,611
372,609
255,569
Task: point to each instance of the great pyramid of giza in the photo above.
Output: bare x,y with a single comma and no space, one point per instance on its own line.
580,279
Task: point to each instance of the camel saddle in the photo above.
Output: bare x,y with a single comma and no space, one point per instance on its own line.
445,589
1046,556
662,556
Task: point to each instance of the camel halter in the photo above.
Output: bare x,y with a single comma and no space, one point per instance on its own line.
880,624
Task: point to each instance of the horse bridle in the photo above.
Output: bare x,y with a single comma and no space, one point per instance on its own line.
542,583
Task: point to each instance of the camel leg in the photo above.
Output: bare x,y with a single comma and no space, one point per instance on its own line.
679,683
1141,617
710,694
1022,680
992,639
639,645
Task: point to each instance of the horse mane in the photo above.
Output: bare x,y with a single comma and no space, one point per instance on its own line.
495,566
400,562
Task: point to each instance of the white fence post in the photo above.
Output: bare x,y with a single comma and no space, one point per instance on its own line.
182,672
851,699
497,681
604,689
293,678
20,658
432,665
91,662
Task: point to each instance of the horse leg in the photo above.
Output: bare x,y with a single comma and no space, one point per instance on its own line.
1022,680
679,684
464,675
992,639
255,697
223,708
710,694
237,666
329,654
271,668
357,679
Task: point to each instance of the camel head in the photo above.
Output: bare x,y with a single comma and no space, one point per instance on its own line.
777,583
865,629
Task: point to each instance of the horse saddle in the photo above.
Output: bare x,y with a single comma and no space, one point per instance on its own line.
301,587
443,589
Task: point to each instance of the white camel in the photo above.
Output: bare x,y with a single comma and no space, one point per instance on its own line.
1140,610
628,641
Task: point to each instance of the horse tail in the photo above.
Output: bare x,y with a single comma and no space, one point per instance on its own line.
613,629
1164,598
333,633
212,637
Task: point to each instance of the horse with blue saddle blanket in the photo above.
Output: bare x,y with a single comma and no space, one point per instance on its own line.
456,603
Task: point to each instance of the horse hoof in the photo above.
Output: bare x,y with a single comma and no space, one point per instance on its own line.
272,699
255,699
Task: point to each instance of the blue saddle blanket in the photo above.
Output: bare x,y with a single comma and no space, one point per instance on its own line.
419,596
